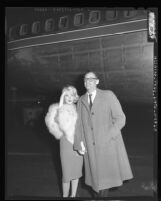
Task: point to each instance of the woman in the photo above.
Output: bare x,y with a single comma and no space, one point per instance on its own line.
60,120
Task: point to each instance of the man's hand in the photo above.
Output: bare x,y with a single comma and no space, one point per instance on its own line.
83,150
113,133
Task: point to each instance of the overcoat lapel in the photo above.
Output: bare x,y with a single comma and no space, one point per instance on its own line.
85,101
96,101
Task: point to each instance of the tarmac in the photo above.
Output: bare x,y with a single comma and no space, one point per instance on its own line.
33,170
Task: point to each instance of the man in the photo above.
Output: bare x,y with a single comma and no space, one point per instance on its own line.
98,137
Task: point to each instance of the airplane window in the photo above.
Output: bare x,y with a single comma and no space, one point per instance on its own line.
36,27
63,22
49,25
130,13
79,19
23,29
13,33
94,17
111,14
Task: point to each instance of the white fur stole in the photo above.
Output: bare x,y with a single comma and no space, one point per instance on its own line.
51,122
67,118
62,121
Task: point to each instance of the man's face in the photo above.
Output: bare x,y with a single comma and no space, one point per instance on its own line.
90,82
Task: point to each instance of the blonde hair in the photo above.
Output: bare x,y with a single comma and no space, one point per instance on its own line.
73,91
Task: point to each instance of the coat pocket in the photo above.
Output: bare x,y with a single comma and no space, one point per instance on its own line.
114,132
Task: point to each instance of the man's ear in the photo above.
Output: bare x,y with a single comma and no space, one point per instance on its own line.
97,81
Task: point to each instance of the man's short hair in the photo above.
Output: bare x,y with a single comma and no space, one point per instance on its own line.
96,75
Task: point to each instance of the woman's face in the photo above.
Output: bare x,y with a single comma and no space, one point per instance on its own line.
68,98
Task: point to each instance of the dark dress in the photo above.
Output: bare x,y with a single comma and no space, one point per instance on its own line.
60,121
71,161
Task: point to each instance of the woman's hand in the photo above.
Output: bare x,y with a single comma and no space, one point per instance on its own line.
83,150
62,99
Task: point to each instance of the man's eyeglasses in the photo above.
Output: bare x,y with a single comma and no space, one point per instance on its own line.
91,79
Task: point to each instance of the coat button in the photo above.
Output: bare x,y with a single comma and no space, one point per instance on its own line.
92,113
93,143
91,128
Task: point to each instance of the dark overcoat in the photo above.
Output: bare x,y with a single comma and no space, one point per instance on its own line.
106,161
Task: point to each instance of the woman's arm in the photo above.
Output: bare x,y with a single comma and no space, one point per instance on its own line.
51,122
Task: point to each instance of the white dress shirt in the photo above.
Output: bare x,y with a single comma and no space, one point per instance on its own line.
93,96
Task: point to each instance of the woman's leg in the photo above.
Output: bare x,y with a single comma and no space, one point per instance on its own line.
103,193
74,187
66,187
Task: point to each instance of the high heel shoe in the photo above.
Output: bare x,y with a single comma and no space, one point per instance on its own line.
72,196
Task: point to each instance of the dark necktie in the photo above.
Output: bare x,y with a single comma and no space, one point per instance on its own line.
90,101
